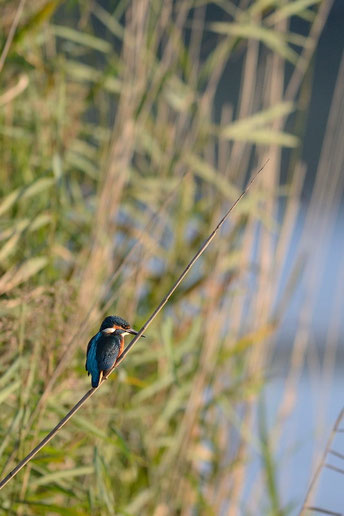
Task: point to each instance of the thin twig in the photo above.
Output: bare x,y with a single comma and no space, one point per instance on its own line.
322,464
324,511
48,437
337,454
305,57
334,468
79,404
11,33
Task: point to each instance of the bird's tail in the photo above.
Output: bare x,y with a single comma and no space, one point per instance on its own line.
96,379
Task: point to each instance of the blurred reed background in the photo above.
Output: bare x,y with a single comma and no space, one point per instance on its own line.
126,130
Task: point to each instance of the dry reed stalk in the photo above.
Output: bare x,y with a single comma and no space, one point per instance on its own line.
286,238
189,430
230,483
217,491
310,491
284,243
241,151
11,33
327,192
263,297
14,91
306,55
99,262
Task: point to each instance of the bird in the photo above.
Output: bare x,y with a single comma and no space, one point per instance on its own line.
106,347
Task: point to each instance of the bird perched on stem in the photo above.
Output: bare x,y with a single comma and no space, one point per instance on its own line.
105,348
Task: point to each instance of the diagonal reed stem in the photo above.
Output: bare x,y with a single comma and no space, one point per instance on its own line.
88,394
11,33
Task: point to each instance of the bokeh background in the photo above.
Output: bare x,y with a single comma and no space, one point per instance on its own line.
127,128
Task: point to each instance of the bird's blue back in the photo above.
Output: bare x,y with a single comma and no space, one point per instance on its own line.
103,350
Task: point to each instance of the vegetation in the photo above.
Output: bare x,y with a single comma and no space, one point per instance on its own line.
118,157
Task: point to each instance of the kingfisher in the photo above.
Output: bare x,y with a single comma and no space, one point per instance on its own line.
106,347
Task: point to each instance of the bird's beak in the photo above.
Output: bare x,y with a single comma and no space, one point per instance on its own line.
133,332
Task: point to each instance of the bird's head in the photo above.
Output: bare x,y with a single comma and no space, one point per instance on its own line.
115,324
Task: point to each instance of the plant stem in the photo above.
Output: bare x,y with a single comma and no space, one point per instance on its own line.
88,394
